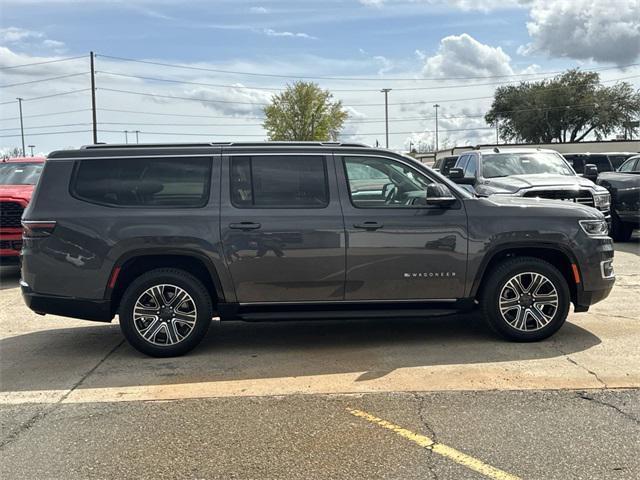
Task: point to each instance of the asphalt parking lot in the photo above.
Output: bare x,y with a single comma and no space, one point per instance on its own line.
439,398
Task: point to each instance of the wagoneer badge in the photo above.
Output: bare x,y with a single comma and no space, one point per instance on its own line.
428,274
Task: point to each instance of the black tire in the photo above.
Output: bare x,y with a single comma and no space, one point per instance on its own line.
620,231
497,280
200,299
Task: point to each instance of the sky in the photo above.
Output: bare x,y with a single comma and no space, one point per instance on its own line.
202,71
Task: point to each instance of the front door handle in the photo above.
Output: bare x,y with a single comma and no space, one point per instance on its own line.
368,225
245,226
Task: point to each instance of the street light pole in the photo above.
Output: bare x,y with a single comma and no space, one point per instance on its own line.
386,114
31,147
21,125
137,132
126,136
436,106
497,131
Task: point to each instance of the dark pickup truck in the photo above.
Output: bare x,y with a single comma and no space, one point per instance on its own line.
170,236
624,186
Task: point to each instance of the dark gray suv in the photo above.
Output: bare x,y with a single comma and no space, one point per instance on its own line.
169,236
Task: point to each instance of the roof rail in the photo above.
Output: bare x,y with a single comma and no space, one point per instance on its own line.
210,144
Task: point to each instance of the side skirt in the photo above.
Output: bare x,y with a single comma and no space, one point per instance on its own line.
340,310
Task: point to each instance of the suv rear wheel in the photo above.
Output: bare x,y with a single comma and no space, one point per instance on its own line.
165,312
525,299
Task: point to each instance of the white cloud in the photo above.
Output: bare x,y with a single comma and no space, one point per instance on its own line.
20,37
602,30
274,33
259,10
15,35
462,55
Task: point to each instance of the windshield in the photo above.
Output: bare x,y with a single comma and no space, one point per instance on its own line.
505,164
13,173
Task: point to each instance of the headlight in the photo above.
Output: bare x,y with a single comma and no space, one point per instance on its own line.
594,227
602,200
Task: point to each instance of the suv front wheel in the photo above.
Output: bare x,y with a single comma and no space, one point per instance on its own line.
525,299
165,312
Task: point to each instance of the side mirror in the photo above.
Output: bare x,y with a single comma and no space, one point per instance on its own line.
439,194
455,173
590,171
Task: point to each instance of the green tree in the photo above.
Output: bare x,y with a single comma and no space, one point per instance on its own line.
566,108
304,112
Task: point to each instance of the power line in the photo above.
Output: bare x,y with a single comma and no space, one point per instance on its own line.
41,63
49,114
43,80
164,114
46,133
297,76
280,89
56,94
179,98
48,126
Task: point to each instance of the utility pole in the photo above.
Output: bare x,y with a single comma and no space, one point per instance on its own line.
137,132
31,147
497,132
126,137
21,125
436,106
93,99
386,114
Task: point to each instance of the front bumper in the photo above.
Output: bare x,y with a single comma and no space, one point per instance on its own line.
10,244
594,284
96,310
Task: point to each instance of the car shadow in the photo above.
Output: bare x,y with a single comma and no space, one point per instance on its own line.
9,276
55,359
631,246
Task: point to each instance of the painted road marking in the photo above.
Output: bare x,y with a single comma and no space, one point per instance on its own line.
447,452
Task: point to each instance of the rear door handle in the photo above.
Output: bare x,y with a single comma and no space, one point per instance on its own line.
368,225
245,226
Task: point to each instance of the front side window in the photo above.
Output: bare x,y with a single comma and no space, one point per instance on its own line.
628,166
505,164
18,173
384,183
472,167
155,182
286,181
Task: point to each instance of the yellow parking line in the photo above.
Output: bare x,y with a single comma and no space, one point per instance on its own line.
447,452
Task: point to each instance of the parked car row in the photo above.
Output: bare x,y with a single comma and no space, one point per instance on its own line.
529,172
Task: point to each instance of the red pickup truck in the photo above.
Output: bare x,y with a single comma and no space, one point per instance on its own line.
18,177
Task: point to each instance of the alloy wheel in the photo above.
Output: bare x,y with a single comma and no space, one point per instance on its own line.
164,315
528,301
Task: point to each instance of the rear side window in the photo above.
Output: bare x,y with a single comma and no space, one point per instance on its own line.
132,182
286,181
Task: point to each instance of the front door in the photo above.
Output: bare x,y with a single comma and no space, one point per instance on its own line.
399,248
282,228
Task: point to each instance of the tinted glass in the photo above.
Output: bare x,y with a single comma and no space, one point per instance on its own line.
447,164
617,160
628,166
600,161
13,173
462,162
169,182
279,182
472,167
505,164
384,183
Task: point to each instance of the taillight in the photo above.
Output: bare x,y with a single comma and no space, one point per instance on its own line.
37,229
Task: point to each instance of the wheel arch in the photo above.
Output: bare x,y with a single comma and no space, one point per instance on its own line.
557,255
133,264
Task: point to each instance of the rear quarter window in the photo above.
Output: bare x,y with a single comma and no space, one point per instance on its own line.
143,182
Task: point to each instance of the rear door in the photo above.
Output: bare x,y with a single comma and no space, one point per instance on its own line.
282,227
398,248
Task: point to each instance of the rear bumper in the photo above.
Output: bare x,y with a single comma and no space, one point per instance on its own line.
96,310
